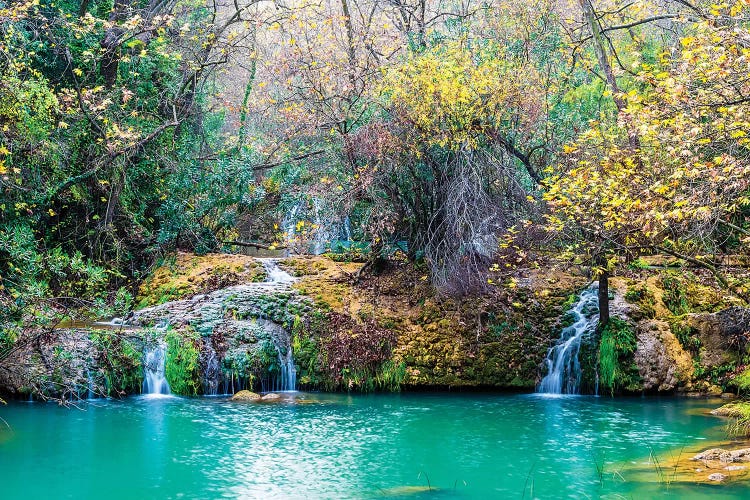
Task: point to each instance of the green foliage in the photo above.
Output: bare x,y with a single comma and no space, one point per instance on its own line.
390,376
639,264
739,413
182,363
616,367
742,381
644,298
674,297
119,362
686,336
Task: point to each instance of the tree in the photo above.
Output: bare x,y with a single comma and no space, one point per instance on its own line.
684,189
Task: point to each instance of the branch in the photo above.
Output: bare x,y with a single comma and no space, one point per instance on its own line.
266,166
735,227
253,244
720,277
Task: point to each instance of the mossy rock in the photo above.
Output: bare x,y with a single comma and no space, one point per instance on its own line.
246,396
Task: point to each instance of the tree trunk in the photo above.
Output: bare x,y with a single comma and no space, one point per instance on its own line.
603,299
592,19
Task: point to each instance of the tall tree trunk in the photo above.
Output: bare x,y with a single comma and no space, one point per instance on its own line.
351,50
601,54
111,43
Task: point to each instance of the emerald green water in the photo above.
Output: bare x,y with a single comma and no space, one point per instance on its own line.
338,446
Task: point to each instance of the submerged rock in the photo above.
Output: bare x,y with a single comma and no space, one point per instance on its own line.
741,455
735,467
246,396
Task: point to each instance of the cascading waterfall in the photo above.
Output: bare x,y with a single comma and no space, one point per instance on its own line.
346,232
216,379
328,226
154,366
290,224
274,274
287,380
212,370
90,394
563,367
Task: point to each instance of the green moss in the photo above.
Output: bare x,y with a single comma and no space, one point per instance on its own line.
182,363
617,370
306,354
687,336
644,298
588,356
675,296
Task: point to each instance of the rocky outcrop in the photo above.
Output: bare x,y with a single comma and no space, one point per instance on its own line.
383,331
246,395
662,362
720,334
678,349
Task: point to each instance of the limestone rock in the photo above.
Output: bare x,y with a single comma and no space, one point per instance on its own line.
728,456
246,396
713,454
662,362
717,476
717,331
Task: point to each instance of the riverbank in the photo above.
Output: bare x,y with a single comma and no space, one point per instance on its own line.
232,322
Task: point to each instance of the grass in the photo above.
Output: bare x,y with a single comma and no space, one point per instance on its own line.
616,348
739,412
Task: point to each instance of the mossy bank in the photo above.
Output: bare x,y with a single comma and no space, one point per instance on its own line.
226,325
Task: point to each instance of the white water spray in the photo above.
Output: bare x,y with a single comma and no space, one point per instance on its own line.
154,366
563,367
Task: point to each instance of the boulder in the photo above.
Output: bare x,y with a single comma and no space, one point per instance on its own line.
662,362
271,396
718,332
246,396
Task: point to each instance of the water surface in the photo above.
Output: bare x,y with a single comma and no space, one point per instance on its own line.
338,446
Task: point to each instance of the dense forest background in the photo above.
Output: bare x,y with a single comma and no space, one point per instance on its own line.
471,136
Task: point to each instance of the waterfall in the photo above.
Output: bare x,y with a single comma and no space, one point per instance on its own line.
287,380
320,237
154,366
211,369
90,394
347,229
563,367
274,273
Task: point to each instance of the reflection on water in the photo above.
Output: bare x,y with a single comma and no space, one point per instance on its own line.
338,446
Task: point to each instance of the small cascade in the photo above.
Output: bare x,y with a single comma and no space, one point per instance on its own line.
290,224
154,366
211,369
287,380
346,231
563,367
90,394
274,273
